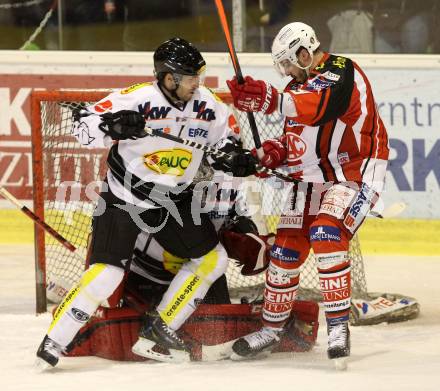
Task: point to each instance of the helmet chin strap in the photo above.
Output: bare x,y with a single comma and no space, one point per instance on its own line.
307,67
172,93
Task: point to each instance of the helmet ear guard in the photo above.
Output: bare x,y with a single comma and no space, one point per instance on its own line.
290,39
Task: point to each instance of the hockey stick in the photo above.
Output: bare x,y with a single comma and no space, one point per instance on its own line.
391,211
217,352
215,152
239,74
36,219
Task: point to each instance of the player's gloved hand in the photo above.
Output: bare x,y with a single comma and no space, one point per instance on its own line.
123,125
239,162
252,251
253,95
275,153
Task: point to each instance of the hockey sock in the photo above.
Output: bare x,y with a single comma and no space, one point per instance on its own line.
282,282
330,245
335,284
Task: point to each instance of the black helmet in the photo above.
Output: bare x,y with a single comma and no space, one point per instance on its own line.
177,56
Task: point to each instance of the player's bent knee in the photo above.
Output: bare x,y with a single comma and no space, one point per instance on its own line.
289,252
327,236
101,280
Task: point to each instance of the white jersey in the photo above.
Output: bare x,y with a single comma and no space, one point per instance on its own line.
204,119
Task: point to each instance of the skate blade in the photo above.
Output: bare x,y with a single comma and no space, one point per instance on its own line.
144,348
236,357
341,363
41,366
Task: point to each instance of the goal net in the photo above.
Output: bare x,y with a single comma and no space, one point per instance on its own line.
67,177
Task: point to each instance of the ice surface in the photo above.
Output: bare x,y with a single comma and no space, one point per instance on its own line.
401,356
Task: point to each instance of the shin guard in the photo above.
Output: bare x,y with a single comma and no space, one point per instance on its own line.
330,244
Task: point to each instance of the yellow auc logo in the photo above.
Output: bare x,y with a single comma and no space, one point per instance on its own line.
170,161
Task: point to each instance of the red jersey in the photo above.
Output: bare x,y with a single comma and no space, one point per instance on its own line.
336,134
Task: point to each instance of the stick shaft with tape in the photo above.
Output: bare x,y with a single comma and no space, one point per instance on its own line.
37,220
239,74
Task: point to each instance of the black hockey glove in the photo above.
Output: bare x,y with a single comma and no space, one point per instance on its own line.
123,125
239,162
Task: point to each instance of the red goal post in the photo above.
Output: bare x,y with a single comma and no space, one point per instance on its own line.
62,167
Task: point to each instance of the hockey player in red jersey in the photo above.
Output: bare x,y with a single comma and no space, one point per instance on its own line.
336,145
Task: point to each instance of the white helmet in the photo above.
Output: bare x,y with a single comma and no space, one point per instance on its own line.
287,42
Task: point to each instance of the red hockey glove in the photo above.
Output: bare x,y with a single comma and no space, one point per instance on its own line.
253,95
275,153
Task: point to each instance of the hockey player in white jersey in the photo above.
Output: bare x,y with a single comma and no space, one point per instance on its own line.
148,187
152,268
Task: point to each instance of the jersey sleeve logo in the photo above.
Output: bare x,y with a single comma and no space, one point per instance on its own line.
102,107
170,161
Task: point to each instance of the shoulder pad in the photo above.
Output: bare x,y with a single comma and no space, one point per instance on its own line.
334,64
208,92
134,87
217,98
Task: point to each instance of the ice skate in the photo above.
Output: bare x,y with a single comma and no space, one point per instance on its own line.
159,342
255,345
339,345
48,354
